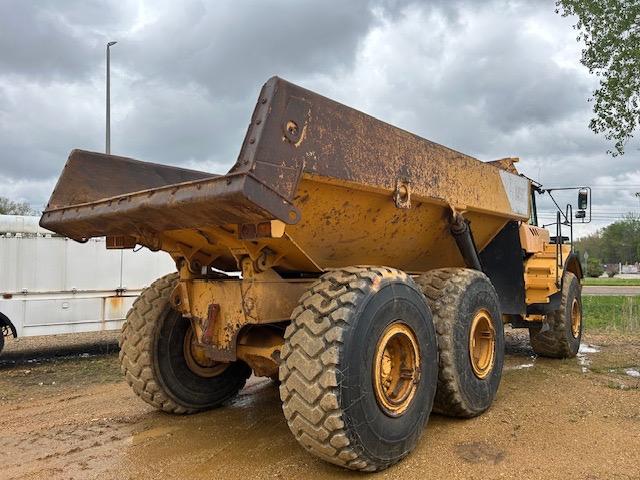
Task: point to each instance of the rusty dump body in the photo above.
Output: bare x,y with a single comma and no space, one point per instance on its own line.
349,188
340,224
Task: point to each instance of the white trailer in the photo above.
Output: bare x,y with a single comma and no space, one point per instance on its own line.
52,285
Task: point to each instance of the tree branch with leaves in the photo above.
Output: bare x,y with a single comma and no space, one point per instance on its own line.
610,31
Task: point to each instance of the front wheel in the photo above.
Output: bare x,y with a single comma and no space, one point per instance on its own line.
359,367
560,336
163,363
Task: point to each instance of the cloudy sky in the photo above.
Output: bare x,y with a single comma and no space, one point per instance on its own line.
490,78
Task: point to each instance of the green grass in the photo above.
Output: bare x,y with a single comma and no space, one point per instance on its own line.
617,313
611,281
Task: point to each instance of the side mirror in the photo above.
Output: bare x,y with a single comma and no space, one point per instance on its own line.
583,204
583,199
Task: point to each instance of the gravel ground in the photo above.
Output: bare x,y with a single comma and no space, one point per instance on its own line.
70,415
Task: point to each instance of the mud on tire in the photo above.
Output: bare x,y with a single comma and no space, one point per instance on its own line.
455,296
152,358
558,339
327,385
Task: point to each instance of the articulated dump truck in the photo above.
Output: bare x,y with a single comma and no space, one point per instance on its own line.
377,270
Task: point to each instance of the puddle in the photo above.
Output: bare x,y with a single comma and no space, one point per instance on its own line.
588,348
520,367
632,372
583,360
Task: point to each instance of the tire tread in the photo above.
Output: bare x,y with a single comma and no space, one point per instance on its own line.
136,342
442,287
554,342
308,373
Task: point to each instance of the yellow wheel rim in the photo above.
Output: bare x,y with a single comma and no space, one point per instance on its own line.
197,359
396,369
576,318
482,344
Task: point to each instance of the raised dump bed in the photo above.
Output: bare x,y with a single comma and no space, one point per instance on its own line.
320,189
352,190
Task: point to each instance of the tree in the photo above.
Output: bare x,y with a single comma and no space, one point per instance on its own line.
621,241
610,30
9,207
616,243
594,267
591,244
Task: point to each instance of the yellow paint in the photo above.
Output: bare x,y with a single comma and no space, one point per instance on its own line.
540,274
263,298
342,224
532,238
346,224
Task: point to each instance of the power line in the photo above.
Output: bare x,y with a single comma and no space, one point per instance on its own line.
593,215
595,187
615,212
553,214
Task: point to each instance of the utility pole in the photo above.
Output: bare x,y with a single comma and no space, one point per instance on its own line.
108,132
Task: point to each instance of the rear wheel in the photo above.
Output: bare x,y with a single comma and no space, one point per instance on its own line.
466,314
560,337
359,367
163,363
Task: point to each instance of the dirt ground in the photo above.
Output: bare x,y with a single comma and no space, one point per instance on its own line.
74,417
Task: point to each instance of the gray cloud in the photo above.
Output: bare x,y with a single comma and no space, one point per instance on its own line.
495,78
50,41
223,46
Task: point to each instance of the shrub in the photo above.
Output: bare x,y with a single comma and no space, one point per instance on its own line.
594,267
611,270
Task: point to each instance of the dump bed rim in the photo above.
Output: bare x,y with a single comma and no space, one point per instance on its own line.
242,185
146,191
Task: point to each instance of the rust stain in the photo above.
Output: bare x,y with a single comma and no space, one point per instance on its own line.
115,304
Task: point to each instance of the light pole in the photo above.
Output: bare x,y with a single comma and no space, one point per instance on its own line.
108,130
108,134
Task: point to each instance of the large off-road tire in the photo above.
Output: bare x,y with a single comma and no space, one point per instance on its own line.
1,340
560,337
153,361
355,332
466,315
